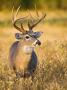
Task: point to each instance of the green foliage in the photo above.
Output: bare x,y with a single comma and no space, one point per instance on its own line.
59,4
29,4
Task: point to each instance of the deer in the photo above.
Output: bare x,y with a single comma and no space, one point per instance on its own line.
23,58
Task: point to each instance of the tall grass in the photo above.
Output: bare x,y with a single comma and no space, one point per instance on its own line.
51,73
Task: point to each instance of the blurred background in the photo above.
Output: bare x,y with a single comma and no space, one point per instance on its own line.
54,25
29,4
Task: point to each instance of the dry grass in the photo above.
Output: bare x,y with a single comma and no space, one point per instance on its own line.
51,72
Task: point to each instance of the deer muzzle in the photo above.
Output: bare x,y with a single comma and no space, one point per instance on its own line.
37,42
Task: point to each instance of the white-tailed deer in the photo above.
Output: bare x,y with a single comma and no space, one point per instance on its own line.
23,58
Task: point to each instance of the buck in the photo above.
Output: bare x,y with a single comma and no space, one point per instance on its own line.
23,58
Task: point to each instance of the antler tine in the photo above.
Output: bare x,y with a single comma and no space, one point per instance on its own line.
22,27
12,14
31,19
14,20
31,27
17,10
36,11
30,14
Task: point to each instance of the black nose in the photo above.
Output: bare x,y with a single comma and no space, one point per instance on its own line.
38,42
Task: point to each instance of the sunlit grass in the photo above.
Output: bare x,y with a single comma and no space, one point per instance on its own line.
51,72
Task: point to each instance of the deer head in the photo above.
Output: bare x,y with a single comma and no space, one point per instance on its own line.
26,33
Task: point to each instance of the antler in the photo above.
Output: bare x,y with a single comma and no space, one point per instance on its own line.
14,21
21,28
32,26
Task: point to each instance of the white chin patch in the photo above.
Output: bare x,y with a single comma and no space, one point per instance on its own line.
34,44
28,49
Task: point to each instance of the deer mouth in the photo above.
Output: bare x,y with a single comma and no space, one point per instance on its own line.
37,42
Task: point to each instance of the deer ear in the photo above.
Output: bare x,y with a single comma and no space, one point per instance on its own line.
18,36
37,34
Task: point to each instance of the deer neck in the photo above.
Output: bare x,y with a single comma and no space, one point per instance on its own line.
26,48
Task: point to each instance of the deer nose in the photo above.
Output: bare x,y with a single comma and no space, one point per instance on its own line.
38,42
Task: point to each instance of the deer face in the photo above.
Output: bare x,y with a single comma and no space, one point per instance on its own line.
29,38
28,41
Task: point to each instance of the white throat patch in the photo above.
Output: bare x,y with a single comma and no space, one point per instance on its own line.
28,49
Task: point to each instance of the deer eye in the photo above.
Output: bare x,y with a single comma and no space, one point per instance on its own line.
27,37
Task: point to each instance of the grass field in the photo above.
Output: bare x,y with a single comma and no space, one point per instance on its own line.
51,72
